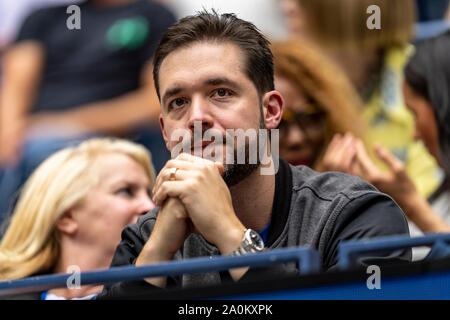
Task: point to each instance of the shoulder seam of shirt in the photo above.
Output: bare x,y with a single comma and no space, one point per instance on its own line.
358,194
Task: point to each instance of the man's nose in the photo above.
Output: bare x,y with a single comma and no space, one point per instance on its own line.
200,114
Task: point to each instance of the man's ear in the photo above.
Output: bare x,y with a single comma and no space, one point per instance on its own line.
273,106
161,124
66,224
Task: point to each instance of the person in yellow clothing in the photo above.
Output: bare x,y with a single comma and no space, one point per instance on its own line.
391,124
373,59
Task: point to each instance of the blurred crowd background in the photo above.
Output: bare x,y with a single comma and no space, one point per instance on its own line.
342,83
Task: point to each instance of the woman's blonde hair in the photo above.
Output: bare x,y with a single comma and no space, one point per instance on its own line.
325,85
343,23
31,242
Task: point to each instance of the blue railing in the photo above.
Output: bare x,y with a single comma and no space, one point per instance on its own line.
350,250
308,260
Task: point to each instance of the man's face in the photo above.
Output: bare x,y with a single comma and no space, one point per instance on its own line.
205,86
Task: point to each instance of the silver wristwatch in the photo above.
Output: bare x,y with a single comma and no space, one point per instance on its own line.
251,242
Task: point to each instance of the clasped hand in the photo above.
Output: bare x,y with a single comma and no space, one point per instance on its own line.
205,198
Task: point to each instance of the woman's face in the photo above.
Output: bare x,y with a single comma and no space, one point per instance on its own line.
121,196
301,130
426,126
293,15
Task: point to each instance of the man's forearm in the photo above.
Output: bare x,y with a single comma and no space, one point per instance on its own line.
147,256
168,235
22,67
116,115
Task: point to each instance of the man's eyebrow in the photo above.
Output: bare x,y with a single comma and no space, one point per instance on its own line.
169,93
222,81
210,82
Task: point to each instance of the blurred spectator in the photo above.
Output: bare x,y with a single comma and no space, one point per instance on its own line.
427,94
73,209
293,16
62,85
12,13
374,60
319,102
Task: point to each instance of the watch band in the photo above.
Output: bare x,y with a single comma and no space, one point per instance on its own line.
251,243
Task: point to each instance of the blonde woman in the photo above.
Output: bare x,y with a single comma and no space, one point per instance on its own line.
72,211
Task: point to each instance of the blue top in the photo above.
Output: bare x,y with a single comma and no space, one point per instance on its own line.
264,232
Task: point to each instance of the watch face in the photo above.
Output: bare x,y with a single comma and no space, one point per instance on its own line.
256,240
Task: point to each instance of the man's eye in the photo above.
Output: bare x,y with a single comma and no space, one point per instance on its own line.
222,92
177,103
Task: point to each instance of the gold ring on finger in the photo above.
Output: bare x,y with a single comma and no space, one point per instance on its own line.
173,172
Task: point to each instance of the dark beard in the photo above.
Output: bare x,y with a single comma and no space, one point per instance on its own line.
235,173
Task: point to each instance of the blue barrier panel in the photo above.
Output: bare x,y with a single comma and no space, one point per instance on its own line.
426,286
308,259
350,250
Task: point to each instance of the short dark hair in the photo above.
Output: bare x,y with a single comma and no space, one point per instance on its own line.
205,26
